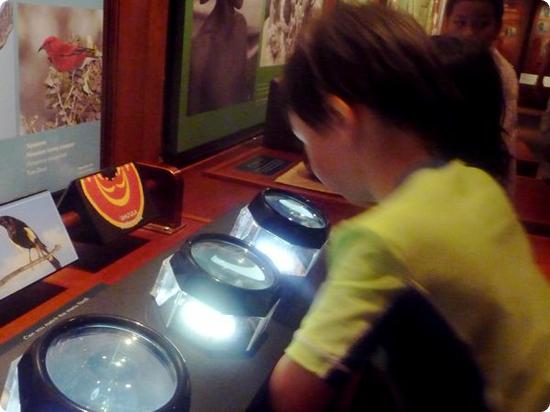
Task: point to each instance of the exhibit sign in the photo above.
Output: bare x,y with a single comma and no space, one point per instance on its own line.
225,55
33,242
109,204
50,95
118,199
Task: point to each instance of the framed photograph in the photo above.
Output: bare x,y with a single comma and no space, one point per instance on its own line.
51,97
224,54
283,21
33,242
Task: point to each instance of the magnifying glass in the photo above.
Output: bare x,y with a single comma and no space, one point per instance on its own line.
101,363
226,292
287,227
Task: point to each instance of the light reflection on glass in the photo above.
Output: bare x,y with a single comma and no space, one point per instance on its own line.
284,258
295,210
206,321
102,367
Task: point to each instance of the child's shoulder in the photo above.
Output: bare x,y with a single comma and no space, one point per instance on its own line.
432,203
452,185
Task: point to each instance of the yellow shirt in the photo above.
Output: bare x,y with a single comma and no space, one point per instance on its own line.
452,233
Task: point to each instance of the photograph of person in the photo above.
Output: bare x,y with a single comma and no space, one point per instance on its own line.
224,50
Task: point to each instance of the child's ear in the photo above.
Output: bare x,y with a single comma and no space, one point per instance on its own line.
341,112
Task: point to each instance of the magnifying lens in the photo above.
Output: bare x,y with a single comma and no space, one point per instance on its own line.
225,290
287,227
100,363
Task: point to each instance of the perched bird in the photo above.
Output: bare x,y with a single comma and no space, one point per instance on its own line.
23,236
64,56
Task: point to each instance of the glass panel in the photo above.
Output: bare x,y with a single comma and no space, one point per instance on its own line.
296,211
106,368
231,264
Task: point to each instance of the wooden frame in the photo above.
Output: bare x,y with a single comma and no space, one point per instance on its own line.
135,36
136,40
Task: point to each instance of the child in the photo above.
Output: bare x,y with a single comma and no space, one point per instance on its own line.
377,114
473,71
481,21
541,146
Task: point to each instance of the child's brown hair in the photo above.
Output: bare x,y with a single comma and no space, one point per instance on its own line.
382,59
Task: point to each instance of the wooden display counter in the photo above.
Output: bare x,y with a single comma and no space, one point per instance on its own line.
220,380
212,188
117,278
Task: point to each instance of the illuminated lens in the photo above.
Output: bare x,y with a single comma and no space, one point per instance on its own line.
231,264
284,258
295,210
297,207
252,272
107,368
206,321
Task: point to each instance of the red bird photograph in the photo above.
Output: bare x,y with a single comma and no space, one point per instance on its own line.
60,66
65,56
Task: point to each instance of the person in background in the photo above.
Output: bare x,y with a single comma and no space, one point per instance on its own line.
369,98
475,74
480,21
540,146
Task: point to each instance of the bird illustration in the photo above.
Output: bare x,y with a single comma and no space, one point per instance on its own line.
23,236
64,56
